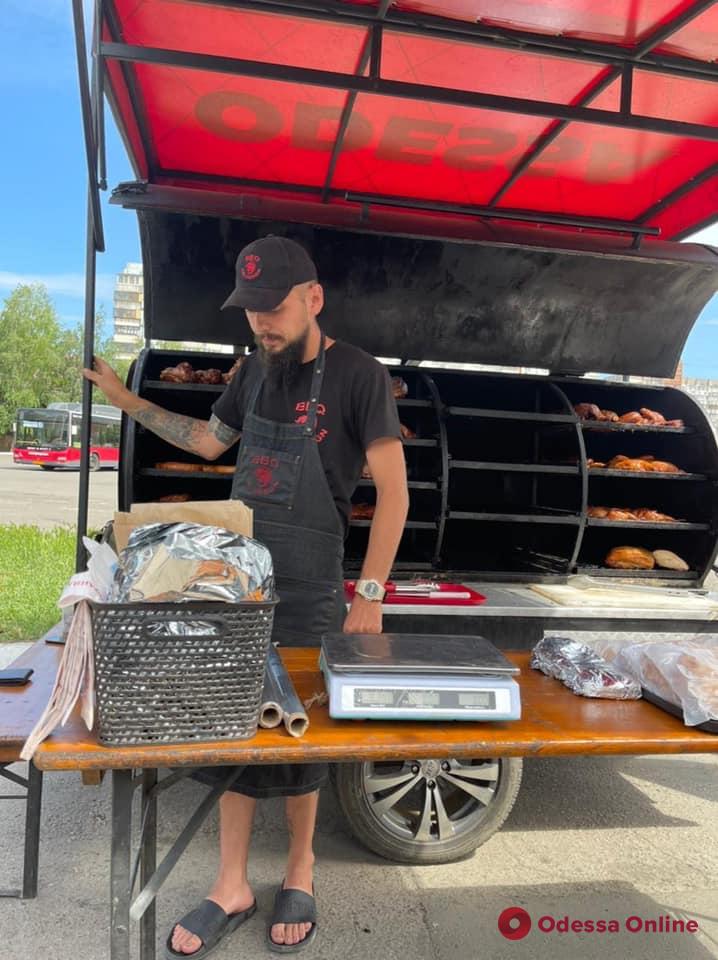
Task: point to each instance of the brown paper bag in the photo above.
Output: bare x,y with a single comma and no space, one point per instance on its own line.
230,514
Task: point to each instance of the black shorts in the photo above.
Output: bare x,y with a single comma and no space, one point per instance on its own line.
265,780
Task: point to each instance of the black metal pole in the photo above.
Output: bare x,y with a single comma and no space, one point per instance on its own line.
626,89
504,213
33,810
148,860
98,82
120,894
88,122
88,352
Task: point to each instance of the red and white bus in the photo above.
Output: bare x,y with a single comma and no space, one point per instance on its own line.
49,437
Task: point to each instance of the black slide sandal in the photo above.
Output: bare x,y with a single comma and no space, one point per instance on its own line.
211,924
292,906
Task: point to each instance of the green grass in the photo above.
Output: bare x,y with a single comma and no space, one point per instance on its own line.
35,565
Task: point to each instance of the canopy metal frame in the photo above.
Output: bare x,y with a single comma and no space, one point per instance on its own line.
619,62
91,102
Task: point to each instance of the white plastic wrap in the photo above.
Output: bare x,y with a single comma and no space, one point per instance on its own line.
582,670
683,672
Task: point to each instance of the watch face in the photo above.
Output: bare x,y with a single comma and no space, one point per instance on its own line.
371,590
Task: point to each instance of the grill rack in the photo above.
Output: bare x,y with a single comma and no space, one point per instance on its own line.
477,502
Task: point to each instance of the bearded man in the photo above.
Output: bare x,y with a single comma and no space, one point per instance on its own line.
309,411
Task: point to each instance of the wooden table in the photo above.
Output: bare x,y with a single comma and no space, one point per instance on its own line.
554,723
20,709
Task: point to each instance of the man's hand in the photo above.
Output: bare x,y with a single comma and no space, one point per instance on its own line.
364,616
106,380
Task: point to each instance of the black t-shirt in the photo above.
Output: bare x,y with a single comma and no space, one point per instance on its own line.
356,407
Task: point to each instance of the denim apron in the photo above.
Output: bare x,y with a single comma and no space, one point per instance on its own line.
280,476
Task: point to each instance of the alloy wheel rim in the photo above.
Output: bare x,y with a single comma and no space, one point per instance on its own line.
427,801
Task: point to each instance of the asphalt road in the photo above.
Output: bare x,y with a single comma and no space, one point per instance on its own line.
48,498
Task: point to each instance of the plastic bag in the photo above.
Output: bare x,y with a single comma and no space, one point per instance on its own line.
191,561
683,672
582,670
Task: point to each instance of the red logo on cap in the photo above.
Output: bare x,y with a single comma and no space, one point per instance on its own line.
252,266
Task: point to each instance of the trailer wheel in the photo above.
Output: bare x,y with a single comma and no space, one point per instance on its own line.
94,462
426,811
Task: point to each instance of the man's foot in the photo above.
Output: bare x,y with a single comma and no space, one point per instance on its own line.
288,934
231,901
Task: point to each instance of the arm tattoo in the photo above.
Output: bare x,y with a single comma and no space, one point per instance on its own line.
184,432
222,432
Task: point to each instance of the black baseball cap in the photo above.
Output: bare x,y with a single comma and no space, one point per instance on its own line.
267,269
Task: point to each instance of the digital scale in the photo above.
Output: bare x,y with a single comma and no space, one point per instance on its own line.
392,676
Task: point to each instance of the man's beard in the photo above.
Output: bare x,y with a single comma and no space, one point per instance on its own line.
282,367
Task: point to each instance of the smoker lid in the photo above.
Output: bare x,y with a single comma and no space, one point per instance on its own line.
397,653
518,298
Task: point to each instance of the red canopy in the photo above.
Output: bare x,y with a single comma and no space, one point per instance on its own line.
600,114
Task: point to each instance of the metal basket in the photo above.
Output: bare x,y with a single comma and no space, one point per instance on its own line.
179,672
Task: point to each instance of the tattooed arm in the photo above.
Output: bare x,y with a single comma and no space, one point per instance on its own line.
207,439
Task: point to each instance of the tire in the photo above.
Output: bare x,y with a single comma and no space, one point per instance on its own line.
406,825
45,466
94,462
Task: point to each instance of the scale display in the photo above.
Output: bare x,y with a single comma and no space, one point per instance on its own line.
424,699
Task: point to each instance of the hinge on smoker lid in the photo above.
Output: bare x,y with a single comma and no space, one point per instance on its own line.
130,187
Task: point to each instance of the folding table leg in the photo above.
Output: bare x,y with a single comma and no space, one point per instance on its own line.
32,798
32,832
148,861
120,893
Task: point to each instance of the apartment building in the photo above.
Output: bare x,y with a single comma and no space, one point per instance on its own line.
128,311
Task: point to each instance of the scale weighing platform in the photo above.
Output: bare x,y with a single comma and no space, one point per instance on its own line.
391,676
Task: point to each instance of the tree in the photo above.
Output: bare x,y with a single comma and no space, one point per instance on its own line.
71,347
29,331
40,362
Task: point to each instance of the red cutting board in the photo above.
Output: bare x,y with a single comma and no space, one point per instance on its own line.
402,598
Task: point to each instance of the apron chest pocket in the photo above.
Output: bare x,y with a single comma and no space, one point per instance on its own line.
267,475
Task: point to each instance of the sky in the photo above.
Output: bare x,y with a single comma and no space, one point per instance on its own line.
42,171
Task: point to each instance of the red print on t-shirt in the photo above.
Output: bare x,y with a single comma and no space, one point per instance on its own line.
321,433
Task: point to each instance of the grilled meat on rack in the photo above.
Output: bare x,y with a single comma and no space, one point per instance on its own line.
182,373
642,418
629,513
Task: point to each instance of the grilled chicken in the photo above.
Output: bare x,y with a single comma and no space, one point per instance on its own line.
182,373
653,417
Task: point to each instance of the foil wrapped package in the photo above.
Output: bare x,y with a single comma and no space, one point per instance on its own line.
191,561
582,670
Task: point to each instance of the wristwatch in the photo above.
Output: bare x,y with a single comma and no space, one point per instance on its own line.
370,590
